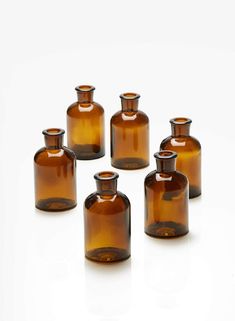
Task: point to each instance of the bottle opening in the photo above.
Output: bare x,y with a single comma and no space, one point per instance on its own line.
85,88
53,131
106,176
130,96
180,121
165,154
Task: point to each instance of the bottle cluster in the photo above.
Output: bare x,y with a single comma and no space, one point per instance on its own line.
107,217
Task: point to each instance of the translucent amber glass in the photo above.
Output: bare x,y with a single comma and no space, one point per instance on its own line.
107,221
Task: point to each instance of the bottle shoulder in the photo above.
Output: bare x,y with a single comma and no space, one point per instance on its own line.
117,202
176,178
134,117
180,143
77,109
63,154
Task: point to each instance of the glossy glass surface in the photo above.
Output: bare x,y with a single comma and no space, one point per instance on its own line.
129,130
107,221
188,150
85,125
166,199
55,174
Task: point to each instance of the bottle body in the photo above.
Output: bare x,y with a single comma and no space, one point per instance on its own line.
107,227
166,203
129,129
55,179
188,150
85,127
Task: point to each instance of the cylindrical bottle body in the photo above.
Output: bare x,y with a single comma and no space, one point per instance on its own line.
166,204
85,130
129,140
188,161
55,179
107,227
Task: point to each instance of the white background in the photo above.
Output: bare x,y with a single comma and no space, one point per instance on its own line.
180,57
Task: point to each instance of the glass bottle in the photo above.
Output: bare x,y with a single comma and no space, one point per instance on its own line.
107,221
55,174
166,198
85,125
188,149
129,135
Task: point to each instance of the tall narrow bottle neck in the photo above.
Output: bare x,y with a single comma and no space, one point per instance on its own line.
180,126
166,161
85,93
53,138
129,102
106,183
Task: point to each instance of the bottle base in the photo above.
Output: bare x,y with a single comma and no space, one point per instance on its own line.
130,163
107,255
194,192
87,152
55,204
166,229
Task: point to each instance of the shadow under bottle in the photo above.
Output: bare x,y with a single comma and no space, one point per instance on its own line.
107,221
166,199
55,174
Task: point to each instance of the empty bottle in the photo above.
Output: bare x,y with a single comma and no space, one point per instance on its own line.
166,198
85,125
188,150
55,174
107,221
129,135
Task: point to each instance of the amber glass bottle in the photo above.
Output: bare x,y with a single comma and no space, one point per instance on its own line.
188,149
55,174
129,135
85,125
166,198
107,221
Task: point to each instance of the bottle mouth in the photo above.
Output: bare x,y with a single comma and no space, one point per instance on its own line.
85,88
106,176
53,132
130,96
165,154
180,121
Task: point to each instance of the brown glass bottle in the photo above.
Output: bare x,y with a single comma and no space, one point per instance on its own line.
107,221
85,125
188,150
55,174
129,130
166,198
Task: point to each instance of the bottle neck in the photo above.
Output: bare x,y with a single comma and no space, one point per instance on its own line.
85,93
166,161
53,138
180,130
180,126
106,183
129,102
166,165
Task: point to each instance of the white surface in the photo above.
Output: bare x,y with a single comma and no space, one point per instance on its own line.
179,55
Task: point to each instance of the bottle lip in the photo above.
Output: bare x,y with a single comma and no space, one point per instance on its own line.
165,154
85,88
53,132
106,176
129,96
180,121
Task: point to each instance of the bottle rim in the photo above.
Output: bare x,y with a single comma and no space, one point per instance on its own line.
106,176
53,132
165,154
130,96
85,88
180,121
